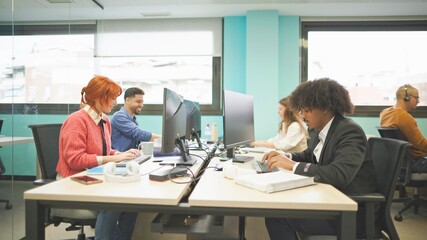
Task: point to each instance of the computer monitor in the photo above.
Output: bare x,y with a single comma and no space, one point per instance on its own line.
238,121
194,125
174,127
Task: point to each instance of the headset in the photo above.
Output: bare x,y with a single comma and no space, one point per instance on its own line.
132,173
406,98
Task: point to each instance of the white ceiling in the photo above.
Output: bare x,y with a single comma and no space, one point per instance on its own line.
39,10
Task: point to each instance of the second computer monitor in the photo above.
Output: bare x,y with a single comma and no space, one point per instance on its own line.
238,121
174,127
194,125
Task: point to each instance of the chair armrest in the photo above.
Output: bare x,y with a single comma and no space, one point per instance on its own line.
369,197
369,201
40,182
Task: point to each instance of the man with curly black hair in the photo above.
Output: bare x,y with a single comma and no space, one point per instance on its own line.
337,154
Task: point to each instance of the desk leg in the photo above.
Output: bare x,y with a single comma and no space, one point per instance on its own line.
347,226
34,220
242,220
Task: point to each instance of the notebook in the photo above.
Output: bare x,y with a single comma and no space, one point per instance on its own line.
274,181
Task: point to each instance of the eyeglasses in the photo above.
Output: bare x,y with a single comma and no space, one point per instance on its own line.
416,97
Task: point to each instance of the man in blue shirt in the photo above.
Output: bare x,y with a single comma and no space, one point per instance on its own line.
126,133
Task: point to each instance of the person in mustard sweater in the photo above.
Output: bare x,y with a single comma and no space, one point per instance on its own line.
85,142
407,98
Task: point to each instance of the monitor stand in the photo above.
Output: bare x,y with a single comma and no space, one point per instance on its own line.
183,160
237,159
196,136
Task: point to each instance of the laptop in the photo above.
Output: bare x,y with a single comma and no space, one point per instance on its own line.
140,160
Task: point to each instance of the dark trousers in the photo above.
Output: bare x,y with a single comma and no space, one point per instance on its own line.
286,228
420,165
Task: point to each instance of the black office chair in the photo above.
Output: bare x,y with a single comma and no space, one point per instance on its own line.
407,178
387,156
3,170
46,138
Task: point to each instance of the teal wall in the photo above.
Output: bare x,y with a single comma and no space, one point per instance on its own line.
262,68
261,57
23,155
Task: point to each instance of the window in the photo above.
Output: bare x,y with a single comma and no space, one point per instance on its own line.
181,54
53,62
371,59
47,68
50,65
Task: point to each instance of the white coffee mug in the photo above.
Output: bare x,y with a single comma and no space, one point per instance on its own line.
146,148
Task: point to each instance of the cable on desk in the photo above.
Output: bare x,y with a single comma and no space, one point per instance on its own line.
161,166
191,175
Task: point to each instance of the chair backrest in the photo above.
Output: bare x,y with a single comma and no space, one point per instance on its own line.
46,138
2,167
391,132
1,124
387,155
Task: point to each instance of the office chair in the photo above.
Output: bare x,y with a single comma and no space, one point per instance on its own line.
408,178
387,156
3,170
46,138
396,134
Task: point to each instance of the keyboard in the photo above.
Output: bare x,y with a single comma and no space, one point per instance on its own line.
140,160
262,167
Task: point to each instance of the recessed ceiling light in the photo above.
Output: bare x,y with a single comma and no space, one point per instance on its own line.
155,14
60,1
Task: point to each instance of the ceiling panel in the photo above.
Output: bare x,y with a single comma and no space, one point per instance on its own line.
37,10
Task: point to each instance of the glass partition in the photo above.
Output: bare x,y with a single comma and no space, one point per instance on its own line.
41,58
51,49
7,215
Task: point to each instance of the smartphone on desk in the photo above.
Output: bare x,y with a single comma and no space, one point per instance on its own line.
86,180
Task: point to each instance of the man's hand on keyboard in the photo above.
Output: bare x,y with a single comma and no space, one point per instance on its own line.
276,159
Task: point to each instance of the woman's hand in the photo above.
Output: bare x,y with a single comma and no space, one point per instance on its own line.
129,154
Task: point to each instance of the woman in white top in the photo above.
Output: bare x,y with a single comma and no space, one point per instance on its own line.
292,134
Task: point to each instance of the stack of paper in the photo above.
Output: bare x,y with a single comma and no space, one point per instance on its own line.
274,181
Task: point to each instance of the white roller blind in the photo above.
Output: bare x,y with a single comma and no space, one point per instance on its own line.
159,37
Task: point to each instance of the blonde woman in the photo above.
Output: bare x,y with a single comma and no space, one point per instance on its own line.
292,133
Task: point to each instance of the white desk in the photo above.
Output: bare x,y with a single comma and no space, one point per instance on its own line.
317,201
212,195
144,195
5,140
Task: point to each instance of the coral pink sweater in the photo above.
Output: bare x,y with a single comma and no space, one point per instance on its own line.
80,142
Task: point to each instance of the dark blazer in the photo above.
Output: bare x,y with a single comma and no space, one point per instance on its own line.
344,161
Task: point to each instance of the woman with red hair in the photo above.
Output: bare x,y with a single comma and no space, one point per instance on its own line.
85,142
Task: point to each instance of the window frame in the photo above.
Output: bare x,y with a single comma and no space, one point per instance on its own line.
62,108
392,25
